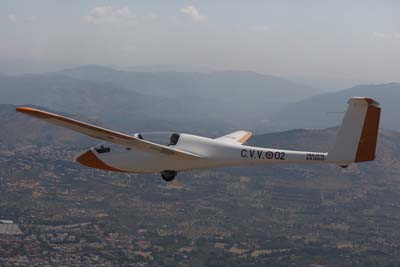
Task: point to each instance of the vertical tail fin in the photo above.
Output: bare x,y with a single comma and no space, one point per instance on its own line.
356,140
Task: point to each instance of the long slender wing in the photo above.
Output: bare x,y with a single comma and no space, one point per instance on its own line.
105,134
239,137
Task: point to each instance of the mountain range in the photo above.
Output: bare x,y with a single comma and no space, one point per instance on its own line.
327,110
210,103
239,97
213,103
119,108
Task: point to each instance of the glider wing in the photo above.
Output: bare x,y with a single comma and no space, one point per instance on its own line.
106,134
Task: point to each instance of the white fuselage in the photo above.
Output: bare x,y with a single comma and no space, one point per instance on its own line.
211,152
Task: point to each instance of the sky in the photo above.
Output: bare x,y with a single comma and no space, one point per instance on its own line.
357,40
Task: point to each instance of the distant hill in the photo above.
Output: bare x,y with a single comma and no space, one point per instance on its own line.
230,86
326,110
241,96
208,103
19,130
109,103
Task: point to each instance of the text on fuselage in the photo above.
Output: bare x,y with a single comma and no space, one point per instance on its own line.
259,154
315,156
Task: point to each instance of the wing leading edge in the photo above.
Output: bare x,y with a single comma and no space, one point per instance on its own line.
105,134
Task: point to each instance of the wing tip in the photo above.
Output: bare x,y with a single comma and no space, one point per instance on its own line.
89,159
34,112
245,137
24,109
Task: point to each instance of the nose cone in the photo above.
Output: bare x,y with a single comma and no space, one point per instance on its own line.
89,159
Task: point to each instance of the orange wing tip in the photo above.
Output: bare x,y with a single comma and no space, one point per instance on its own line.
25,109
245,137
89,159
36,112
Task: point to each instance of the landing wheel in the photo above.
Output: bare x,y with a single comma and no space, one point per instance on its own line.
168,175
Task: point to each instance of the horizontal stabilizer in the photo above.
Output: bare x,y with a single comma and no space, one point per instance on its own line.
239,137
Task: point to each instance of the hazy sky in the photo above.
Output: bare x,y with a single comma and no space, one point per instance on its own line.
346,39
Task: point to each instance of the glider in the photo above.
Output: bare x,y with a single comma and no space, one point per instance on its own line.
168,153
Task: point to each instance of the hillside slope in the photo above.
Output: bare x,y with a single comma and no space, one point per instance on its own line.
326,110
106,102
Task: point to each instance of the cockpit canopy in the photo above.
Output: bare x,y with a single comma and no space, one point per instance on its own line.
161,138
